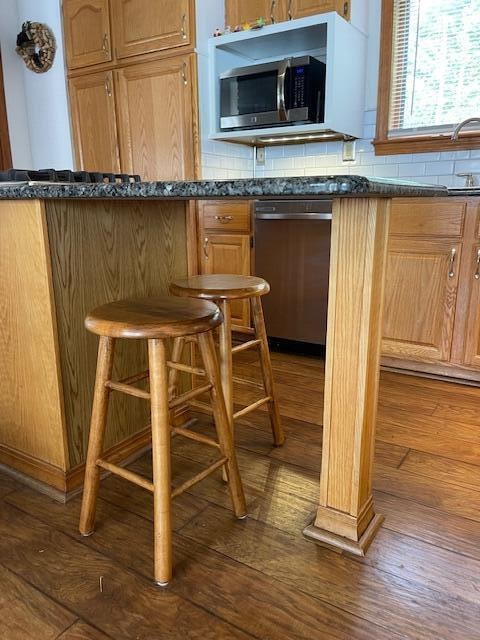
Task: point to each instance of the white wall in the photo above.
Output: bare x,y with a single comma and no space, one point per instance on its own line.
37,104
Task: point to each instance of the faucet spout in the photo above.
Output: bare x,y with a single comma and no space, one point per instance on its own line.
460,126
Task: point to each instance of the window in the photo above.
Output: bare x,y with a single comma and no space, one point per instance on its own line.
429,74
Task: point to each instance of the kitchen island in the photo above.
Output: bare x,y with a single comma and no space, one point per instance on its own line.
65,249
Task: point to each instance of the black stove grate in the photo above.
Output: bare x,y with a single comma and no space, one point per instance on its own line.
64,175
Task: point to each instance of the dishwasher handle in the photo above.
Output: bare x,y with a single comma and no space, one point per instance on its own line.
264,215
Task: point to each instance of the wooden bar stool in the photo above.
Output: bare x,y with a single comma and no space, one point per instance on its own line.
156,319
222,289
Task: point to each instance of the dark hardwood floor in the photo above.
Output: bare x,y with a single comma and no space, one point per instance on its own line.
259,578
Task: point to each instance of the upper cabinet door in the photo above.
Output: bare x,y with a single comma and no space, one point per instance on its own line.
94,123
156,116
142,26
242,11
303,8
87,32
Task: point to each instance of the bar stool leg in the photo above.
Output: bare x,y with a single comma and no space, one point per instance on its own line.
162,517
98,423
222,425
267,374
177,351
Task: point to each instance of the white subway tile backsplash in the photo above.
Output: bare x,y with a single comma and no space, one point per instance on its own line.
455,155
386,170
474,153
411,169
437,168
468,166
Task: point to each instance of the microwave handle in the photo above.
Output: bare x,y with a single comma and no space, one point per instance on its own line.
282,74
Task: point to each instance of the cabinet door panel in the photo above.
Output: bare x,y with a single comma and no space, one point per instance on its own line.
420,298
141,26
94,122
472,343
157,125
303,8
87,32
241,11
222,253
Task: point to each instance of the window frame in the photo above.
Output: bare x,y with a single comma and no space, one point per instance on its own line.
413,143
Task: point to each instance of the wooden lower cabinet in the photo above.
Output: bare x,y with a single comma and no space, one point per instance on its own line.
94,122
224,245
157,118
432,292
420,296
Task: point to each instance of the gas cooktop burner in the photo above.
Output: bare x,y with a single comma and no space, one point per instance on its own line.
64,176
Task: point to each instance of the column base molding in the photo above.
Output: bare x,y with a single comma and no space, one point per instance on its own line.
356,547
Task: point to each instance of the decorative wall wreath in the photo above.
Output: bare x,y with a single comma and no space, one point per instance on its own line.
36,46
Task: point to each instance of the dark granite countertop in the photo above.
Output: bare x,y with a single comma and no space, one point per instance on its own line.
321,187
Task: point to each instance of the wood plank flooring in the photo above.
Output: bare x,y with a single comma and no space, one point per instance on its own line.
259,578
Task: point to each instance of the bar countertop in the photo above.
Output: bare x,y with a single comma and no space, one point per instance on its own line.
298,187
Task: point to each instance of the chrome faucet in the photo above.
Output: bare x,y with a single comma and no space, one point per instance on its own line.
460,126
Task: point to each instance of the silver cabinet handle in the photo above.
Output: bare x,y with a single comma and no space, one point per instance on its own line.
108,88
205,248
183,30
184,73
289,10
451,272
224,219
105,43
272,11
476,275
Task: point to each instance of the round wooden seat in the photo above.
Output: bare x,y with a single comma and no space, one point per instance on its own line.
161,317
220,287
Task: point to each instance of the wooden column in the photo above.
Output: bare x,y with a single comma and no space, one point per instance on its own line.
345,516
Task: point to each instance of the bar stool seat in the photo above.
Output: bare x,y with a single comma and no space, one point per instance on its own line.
222,289
156,319
153,318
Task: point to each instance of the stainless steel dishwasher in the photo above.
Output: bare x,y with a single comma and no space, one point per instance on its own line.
292,252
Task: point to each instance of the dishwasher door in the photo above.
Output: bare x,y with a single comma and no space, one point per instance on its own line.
292,252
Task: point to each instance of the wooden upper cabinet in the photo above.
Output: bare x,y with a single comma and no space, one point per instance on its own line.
143,26
87,32
420,297
156,104
241,11
94,122
303,8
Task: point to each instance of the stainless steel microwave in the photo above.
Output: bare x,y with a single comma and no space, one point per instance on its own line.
289,91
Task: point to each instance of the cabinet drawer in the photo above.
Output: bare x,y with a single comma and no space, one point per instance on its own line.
442,218
227,216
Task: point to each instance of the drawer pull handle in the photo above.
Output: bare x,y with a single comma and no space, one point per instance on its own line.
224,219
476,275
290,10
108,88
205,248
183,31
105,43
272,11
451,272
184,74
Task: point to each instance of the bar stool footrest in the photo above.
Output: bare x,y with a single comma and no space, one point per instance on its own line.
197,437
251,407
126,474
246,345
199,477
189,395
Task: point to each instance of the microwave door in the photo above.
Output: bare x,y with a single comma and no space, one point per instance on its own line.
250,97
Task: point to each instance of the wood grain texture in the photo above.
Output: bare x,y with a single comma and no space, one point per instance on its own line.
303,8
158,135
28,338
142,27
357,268
27,613
226,216
94,123
82,631
242,11
87,32
420,298
104,251
435,217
